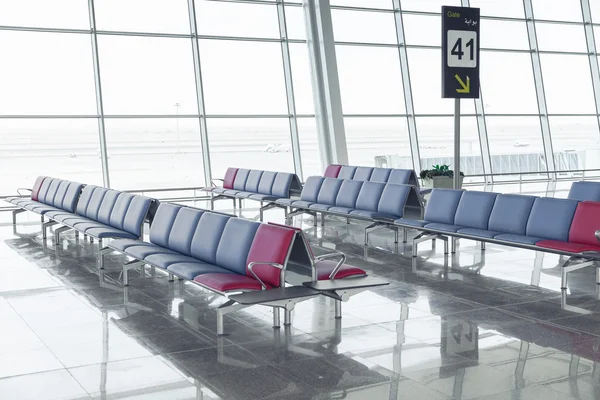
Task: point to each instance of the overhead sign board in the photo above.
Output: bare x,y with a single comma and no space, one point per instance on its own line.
460,52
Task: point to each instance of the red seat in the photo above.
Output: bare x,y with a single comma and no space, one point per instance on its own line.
567,246
36,187
325,268
332,171
229,282
271,244
229,178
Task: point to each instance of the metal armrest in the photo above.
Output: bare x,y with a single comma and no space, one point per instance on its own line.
597,234
339,264
212,181
272,264
21,194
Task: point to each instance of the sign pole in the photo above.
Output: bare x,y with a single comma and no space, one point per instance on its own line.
460,65
457,143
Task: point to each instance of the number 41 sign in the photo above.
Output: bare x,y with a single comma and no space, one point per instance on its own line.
460,52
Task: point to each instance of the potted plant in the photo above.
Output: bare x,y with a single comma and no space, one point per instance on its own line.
439,176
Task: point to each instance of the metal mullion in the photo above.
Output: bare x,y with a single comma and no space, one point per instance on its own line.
200,94
44,30
484,142
407,87
592,55
289,86
539,89
99,100
144,34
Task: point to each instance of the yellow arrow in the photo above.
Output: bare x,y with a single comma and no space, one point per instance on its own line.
465,88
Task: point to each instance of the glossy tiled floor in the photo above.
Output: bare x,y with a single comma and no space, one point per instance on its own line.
469,327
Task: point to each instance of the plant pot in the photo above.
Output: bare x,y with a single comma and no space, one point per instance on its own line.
441,182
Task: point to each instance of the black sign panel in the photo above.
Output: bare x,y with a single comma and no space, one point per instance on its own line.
460,52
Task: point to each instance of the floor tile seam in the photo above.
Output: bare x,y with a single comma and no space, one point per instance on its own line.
34,373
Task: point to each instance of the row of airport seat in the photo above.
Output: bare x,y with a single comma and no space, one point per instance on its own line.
225,254
561,226
219,252
257,185
372,174
363,200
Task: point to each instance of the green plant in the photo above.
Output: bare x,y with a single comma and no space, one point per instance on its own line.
438,170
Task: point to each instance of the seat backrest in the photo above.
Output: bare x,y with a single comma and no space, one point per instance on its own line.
380,175
369,196
551,218
311,188
584,191
281,185
240,179
107,206
474,209
93,207
183,230
348,193
160,230
586,221
329,191
35,190
50,193
511,213
59,196
253,181
363,174
69,202
266,182
442,205
235,244
229,178
400,176
393,199
273,244
208,235
346,172
120,210
332,171
44,189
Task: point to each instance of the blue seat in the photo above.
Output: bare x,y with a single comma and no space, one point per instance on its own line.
474,209
392,201
510,213
362,174
190,270
340,210
400,176
369,196
584,191
551,218
328,191
163,260
348,194
239,184
380,175
442,205
443,227
481,233
522,239
346,172
417,223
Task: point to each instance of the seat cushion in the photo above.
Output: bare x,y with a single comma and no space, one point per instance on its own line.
109,232
54,214
285,202
320,207
302,204
84,226
163,260
219,190
43,210
228,282
263,197
567,246
231,192
444,227
244,195
142,251
340,210
70,219
190,270
208,188
374,214
479,233
325,268
122,244
511,237
417,223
